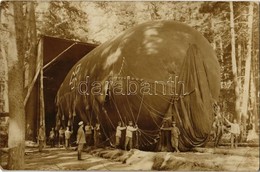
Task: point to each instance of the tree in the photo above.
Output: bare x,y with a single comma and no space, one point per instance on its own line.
234,61
65,20
15,84
4,105
18,43
248,64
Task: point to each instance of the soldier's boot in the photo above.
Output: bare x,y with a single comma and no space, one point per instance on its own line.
79,155
177,150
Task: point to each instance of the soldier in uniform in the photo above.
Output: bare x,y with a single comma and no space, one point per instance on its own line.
175,132
88,133
129,135
119,129
81,140
219,124
96,134
52,137
67,137
235,131
61,136
41,138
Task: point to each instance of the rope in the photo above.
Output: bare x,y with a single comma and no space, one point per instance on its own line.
130,108
122,65
108,118
112,98
140,108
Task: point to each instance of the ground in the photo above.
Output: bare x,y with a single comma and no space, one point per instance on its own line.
217,159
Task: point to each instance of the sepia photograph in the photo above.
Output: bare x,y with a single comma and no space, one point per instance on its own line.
129,85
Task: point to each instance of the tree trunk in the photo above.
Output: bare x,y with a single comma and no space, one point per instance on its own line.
213,34
234,63
31,71
4,104
221,50
254,118
16,135
248,65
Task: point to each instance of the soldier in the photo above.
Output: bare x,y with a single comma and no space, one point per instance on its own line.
219,125
61,136
119,129
67,137
81,140
97,134
235,131
29,132
175,132
129,135
52,137
41,138
88,133
163,136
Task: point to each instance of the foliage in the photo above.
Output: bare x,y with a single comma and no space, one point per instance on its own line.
64,20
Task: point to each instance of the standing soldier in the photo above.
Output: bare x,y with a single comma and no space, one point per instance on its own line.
96,134
81,140
235,131
41,138
88,133
61,136
67,138
29,132
219,125
129,135
119,129
52,137
164,137
175,132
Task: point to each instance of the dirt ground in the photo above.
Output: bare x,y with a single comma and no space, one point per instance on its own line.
200,159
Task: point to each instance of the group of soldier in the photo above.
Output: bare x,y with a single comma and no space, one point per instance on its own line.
85,137
62,136
129,134
219,127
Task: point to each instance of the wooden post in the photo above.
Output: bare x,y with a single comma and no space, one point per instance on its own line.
42,109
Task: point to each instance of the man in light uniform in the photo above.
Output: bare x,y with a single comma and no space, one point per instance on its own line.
81,140
235,131
67,138
129,135
119,129
41,138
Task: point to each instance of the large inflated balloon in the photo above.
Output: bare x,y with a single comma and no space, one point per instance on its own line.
154,71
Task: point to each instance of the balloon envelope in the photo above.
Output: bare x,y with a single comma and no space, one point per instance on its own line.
154,71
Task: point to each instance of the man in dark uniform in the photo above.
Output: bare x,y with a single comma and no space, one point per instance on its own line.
219,124
97,134
175,132
52,137
88,133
